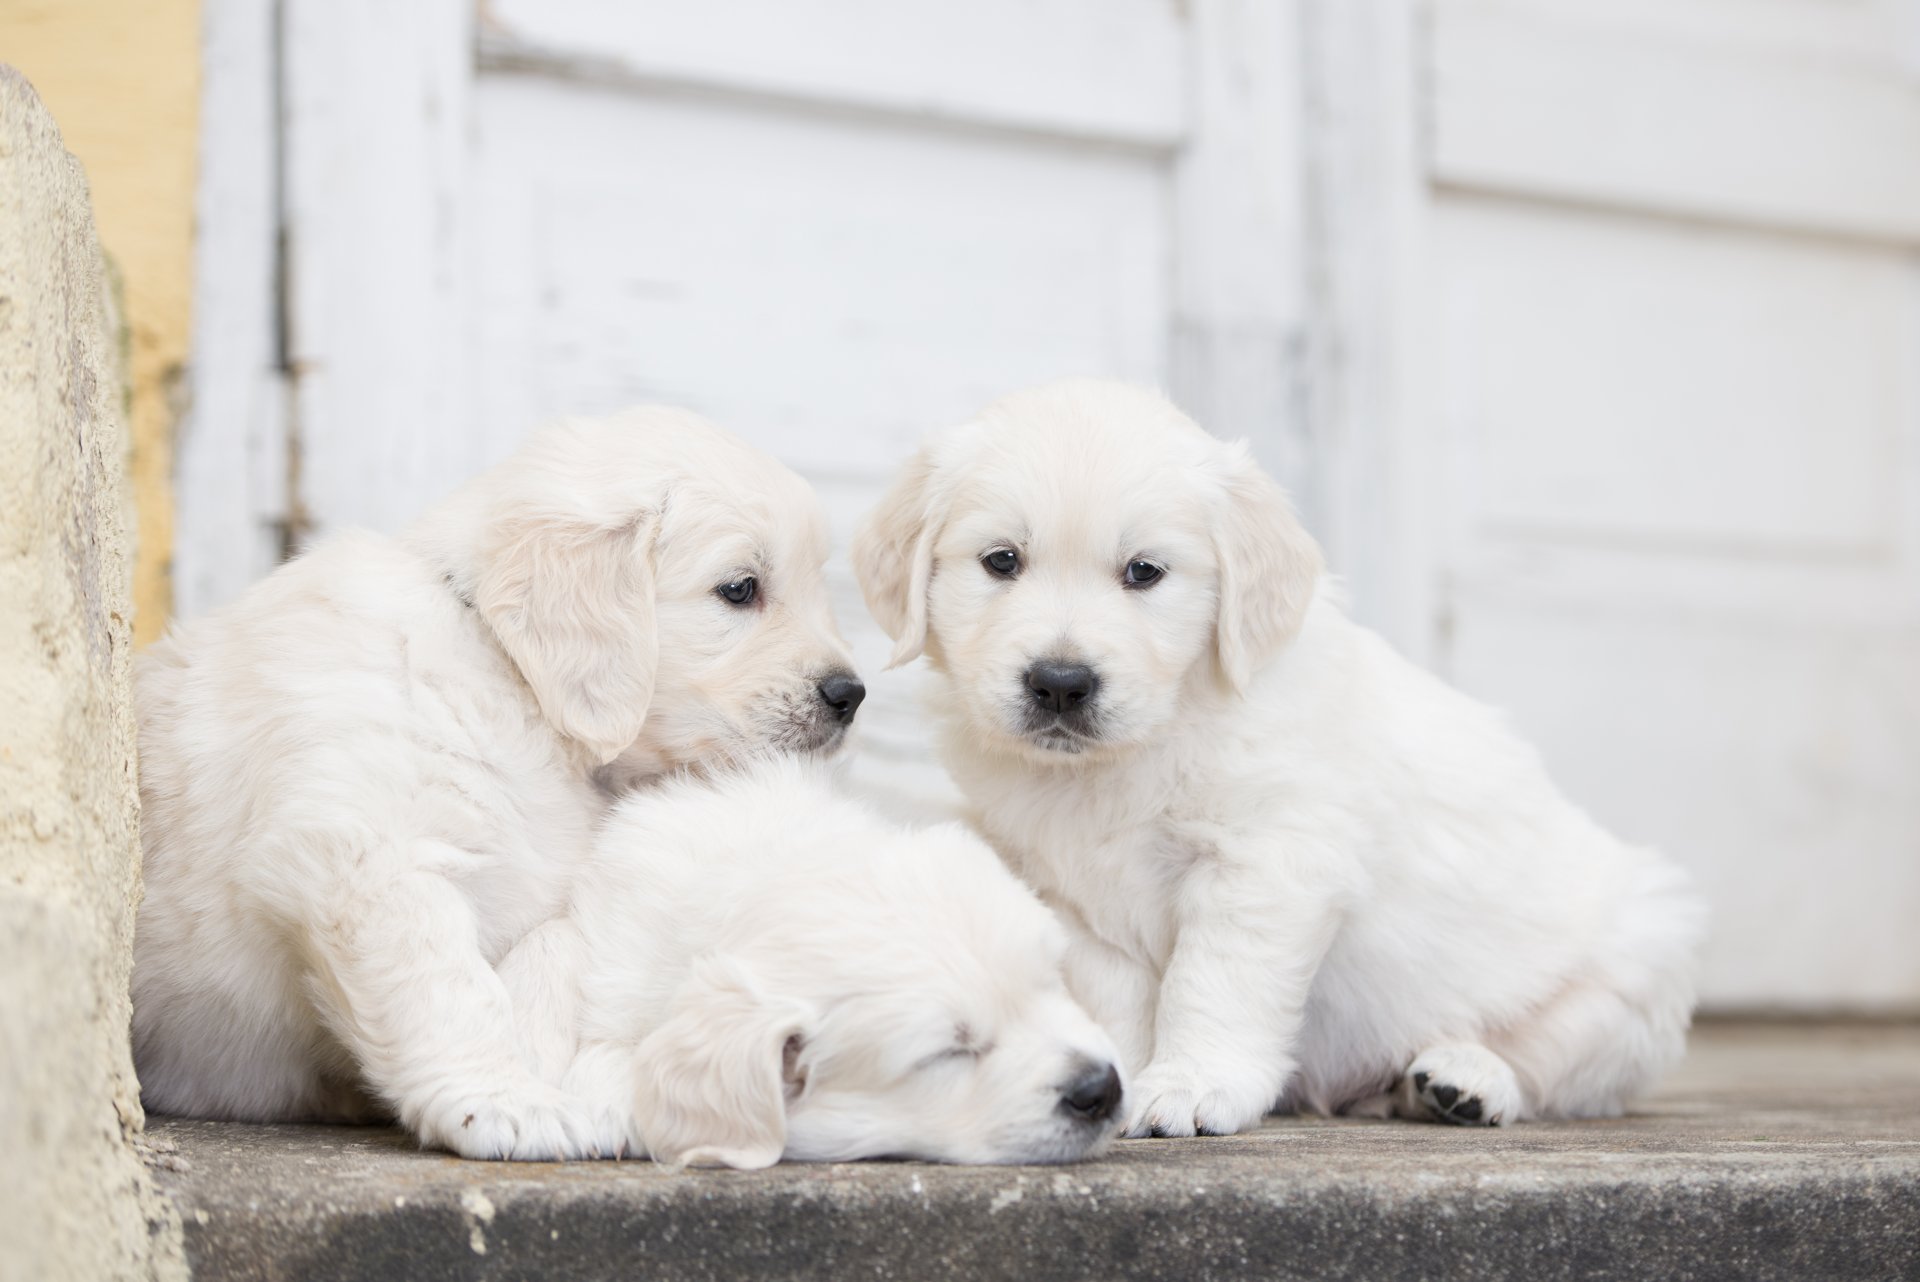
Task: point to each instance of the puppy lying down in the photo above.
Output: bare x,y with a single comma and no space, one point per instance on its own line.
751,968
1298,869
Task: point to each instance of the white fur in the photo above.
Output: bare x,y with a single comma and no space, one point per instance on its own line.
1295,862
752,968
369,777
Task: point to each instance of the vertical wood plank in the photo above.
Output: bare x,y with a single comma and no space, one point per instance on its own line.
1367,231
229,463
376,138
1239,319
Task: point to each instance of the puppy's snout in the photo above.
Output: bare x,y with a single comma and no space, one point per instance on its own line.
1093,1095
842,693
1061,687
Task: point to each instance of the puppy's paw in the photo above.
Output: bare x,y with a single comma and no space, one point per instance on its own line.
529,1122
1174,1100
1462,1084
607,1132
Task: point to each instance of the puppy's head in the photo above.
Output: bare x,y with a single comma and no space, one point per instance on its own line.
896,1002
658,584
1080,561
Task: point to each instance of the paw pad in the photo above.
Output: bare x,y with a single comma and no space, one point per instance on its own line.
1448,1103
1460,1084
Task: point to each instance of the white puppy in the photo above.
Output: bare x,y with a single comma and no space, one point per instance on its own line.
752,968
376,771
1304,873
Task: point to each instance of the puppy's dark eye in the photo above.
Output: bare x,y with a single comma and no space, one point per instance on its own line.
740,591
1143,574
1004,562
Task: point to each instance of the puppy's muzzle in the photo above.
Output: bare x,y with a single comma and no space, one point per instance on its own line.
821,723
1093,1094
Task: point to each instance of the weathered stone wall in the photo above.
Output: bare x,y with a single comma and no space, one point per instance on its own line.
123,80
79,1201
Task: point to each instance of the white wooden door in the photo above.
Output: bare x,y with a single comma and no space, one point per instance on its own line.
828,224
1675,329
1587,332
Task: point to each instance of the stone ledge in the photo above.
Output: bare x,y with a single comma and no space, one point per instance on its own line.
1777,1151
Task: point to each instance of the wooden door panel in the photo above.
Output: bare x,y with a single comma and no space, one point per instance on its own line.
1676,304
1108,69
830,288
1775,757
1577,103
831,224
1674,386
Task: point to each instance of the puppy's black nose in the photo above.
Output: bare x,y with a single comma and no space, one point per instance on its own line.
842,692
1062,687
1093,1096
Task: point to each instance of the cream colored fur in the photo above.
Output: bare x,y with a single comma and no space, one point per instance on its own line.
753,968
369,777
1301,871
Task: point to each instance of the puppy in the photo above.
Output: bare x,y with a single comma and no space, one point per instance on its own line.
1301,871
752,968
371,775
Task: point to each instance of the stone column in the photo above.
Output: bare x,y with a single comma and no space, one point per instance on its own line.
80,1202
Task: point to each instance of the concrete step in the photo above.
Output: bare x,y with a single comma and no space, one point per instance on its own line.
1777,1151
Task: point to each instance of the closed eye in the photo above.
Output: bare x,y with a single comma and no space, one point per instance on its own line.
965,1046
949,1055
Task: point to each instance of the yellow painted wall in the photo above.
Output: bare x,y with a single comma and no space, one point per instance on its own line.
122,78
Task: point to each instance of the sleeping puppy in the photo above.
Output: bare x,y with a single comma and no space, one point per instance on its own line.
366,779
753,969
1302,871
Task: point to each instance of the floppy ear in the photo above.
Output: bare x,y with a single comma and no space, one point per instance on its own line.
1269,566
893,558
572,605
714,1079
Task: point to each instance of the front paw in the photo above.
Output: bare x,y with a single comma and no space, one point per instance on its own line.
1176,1100
1460,1084
528,1122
